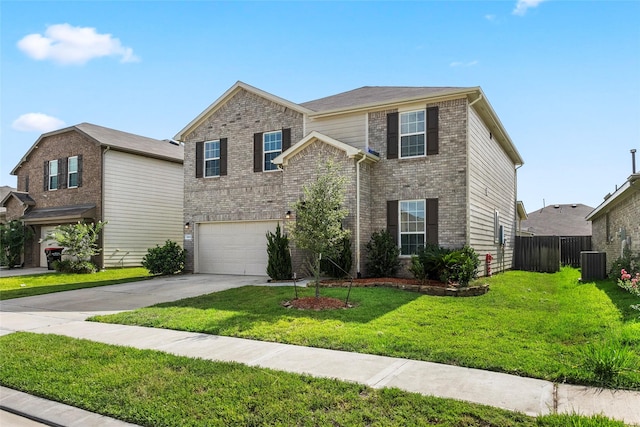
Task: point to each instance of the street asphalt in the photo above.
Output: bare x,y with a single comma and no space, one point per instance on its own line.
64,313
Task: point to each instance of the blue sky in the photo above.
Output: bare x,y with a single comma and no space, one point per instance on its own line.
563,76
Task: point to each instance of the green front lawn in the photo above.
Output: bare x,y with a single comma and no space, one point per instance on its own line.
529,324
151,388
38,284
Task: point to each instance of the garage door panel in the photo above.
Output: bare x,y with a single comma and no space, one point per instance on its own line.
234,248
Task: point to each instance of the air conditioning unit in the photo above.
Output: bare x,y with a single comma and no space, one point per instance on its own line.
593,265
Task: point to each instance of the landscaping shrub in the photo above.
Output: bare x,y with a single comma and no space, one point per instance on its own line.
382,255
446,265
75,267
12,238
343,259
164,260
627,262
279,264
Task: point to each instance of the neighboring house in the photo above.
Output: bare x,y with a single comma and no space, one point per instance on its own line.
431,165
616,221
558,220
4,191
91,173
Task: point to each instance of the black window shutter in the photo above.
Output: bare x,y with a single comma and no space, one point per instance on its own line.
62,172
432,221
257,152
286,139
79,170
432,130
46,176
392,219
392,136
199,158
223,156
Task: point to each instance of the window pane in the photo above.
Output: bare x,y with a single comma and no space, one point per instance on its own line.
411,243
73,179
73,164
268,166
412,226
53,167
412,145
212,168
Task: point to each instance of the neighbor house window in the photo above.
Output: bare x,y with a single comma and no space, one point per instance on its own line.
72,172
53,175
212,158
412,226
272,147
412,133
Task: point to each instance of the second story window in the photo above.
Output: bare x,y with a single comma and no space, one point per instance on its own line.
53,175
412,133
212,158
272,148
72,172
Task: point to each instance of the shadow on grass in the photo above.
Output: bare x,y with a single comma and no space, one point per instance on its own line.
41,290
620,298
252,305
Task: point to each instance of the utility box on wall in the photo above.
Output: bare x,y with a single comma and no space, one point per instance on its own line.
593,265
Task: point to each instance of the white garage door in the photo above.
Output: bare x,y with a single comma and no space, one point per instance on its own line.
234,247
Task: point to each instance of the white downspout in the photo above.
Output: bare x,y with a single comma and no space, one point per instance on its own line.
358,271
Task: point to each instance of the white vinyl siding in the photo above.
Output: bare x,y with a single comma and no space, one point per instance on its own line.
491,189
350,129
143,199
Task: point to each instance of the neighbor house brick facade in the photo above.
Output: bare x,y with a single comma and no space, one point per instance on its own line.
616,222
91,173
431,165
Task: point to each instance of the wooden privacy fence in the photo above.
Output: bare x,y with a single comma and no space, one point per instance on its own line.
546,254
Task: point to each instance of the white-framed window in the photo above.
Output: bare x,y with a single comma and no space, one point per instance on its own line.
212,158
412,226
272,147
412,133
72,172
53,175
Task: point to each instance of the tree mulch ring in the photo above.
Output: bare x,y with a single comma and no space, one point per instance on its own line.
317,304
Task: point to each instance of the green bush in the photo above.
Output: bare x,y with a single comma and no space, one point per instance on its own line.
279,264
446,265
628,262
343,259
12,237
382,255
164,260
75,267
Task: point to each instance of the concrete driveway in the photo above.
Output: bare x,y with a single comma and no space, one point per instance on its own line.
24,314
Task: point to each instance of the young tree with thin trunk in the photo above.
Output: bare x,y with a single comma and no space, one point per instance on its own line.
319,214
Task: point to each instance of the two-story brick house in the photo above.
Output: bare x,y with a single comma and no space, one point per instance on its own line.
428,164
91,173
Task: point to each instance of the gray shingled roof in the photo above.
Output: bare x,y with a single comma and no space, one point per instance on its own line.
133,143
559,220
374,94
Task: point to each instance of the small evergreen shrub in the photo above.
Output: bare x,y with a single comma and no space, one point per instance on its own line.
74,267
343,259
382,255
446,265
279,263
165,260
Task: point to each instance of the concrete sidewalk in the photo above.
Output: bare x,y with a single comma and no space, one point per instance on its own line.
60,316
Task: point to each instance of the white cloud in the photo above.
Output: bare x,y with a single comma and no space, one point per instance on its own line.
37,122
490,17
523,5
463,64
65,44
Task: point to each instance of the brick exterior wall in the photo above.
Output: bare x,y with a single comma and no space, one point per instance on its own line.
67,144
623,215
242,194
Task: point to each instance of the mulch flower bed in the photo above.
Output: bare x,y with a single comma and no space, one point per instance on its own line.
429,287
317,304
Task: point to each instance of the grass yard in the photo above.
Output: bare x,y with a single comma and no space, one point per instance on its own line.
529,324
38,284
152,388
